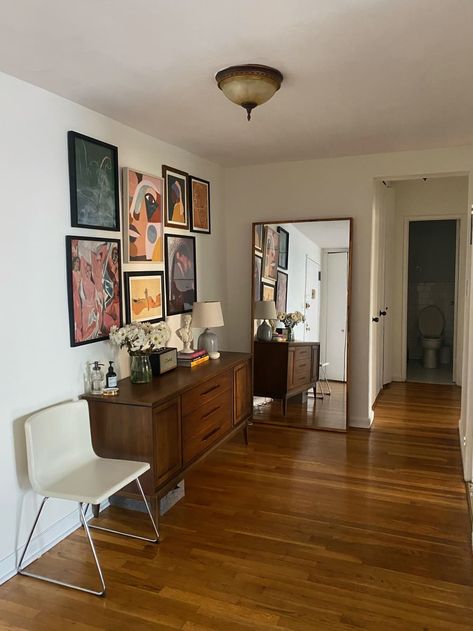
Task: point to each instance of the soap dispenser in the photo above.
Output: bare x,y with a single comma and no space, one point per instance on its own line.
97,378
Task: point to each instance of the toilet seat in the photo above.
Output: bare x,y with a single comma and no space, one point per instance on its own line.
431,322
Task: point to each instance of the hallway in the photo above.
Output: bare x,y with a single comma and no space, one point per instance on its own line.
302,531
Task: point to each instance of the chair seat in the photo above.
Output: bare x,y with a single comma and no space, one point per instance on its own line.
94,481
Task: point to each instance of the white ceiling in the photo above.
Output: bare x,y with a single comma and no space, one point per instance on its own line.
326,234
361,76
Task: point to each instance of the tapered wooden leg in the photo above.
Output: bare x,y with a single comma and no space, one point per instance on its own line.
245,433
284,406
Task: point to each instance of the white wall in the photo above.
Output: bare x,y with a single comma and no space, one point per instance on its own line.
340,187
38,366
441,197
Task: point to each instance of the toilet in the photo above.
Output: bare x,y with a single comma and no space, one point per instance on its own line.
431,327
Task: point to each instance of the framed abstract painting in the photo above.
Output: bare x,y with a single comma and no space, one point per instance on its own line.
93,183
176,213
257,279
199,204
181,279
270,254
267,291
143,198
94,288
283,248
259,237
144,296
281,292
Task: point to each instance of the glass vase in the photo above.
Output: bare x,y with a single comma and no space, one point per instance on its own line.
140,369
290,334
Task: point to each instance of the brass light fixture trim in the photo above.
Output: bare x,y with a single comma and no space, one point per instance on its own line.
249,85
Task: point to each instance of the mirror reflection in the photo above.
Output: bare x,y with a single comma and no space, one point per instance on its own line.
301,293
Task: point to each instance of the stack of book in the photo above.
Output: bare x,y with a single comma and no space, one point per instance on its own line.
192,359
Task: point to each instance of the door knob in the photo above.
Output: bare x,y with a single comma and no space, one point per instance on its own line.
382,313
307,305
375,319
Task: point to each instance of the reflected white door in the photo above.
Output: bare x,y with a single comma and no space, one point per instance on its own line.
312,301
336,313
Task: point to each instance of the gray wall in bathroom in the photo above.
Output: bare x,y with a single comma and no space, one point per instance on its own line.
432,246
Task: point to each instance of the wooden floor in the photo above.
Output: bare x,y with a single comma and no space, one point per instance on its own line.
328,413
300,530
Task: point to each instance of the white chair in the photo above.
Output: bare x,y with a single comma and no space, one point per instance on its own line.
62,464
323,379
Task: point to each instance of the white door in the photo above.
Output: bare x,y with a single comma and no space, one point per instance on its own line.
312,301
336,315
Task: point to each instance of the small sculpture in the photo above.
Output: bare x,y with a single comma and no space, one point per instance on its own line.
185,334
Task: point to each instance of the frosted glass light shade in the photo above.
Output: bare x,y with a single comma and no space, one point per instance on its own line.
249,85
265,310
207,315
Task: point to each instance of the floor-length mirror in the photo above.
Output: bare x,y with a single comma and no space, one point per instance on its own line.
300,323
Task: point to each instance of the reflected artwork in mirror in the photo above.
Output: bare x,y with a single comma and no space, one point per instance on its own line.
301,377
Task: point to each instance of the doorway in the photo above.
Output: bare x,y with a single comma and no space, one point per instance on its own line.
312,300
431,300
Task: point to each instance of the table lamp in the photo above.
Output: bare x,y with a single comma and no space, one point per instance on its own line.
265,310
207,315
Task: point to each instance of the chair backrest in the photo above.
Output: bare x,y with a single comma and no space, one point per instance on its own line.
57,441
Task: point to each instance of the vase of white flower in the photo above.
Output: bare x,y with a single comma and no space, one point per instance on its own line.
140,368
290,320
140,339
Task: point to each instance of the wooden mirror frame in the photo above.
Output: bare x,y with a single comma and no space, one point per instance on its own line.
349,290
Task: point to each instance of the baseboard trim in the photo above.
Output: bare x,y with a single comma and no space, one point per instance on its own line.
360,422
51,536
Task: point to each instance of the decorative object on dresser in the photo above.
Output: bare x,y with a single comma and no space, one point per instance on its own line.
144,296
290,320
175,421
93,183
93,268
264,310
185,335
176,213
283,370
163,360
207,315
194,359
143,198
181,275
199,204
140,340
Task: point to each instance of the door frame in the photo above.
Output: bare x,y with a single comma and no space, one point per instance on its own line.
308,258
459,251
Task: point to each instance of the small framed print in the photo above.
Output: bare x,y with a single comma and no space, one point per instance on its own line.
199,204
144,292
283,248
267,291
281,292
176,214
270,254
259,237
93,287
93,183
181,278
143,198
257,279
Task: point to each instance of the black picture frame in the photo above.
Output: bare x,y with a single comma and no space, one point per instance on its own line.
170,173
257,289
128,296
98,193
79,293
197,180
258,238
283,248
179,300
279,285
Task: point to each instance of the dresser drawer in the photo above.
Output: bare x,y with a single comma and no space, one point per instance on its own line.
302,354
205,425
205,392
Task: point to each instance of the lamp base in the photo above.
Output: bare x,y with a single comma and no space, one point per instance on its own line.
264,332
209,342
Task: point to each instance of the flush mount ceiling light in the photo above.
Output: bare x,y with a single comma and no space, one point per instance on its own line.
249,85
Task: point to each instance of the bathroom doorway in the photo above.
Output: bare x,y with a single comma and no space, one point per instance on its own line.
431,300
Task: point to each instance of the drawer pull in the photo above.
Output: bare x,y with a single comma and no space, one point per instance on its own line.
301,365
207,436
210,413
202,394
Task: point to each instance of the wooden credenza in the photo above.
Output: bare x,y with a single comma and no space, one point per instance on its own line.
285,369
175,421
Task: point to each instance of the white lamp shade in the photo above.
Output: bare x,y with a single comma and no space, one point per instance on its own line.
265,310
207,315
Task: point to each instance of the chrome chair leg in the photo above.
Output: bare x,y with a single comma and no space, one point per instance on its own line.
41,577
127,534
